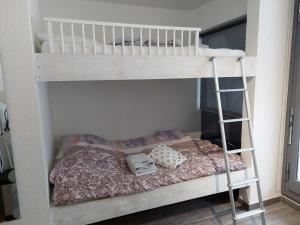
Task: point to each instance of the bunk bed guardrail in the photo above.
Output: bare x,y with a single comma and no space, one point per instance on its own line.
164,37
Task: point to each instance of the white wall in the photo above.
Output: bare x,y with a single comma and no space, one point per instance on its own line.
216,12
96,10
124,109
273,25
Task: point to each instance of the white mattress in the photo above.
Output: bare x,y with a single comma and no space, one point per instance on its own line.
144,50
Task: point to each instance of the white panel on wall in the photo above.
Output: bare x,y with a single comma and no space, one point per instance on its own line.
123,109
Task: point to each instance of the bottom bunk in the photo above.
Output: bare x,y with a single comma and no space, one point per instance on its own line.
93,168
103,209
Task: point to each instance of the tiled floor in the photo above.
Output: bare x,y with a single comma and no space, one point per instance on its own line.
206,211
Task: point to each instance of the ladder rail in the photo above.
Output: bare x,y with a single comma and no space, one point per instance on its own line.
236,217
223,136
250,129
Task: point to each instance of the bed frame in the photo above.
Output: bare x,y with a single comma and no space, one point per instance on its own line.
98,210
83,66
79,66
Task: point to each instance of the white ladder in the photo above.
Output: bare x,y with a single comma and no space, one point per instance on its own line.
233,185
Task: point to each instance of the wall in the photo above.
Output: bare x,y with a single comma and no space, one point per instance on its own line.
270,91
96,10
216,12
124,109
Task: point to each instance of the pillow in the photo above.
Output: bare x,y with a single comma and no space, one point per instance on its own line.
167,157
84,140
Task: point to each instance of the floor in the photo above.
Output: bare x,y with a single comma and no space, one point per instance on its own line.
213,210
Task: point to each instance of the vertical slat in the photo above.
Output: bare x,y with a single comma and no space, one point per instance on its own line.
123,41
73,39
62,38
50,36
181,43
196,43
114,39
83,39
157,42
166,42
103,39
149,41
94,38
174,36
132,41
141,40
189,42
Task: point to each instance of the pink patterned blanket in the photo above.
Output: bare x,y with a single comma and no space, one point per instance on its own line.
89,172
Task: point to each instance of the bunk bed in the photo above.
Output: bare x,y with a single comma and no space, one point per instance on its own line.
78,50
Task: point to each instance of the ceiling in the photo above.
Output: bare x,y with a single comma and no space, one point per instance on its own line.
167,4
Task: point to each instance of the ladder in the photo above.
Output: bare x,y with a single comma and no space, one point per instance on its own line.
233,185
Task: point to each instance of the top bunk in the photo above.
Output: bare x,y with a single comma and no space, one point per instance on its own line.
79,50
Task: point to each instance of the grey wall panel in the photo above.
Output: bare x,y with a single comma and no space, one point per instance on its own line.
123,109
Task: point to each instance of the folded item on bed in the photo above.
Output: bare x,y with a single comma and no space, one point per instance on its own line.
88,172
141,164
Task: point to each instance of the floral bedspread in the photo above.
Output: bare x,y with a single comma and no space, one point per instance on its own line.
88,172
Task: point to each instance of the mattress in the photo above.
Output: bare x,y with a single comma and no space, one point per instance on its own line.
88,172
102,49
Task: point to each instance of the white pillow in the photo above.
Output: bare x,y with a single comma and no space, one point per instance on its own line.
167,157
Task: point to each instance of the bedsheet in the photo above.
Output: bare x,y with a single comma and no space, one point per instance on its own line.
89,173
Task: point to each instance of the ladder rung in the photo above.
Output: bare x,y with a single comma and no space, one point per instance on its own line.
248,214
240,150
235,120
243,183
232,90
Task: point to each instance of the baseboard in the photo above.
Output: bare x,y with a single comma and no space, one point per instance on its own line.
290,202
256,205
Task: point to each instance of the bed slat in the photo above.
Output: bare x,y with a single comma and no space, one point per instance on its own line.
166,42
83,39
149,42
62,38
114,39
103,39
174,41
73,39
94,39
132,41
181,43
157,39
141,40
50,36
189,42
123,41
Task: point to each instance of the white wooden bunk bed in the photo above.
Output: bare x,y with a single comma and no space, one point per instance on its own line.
76,50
